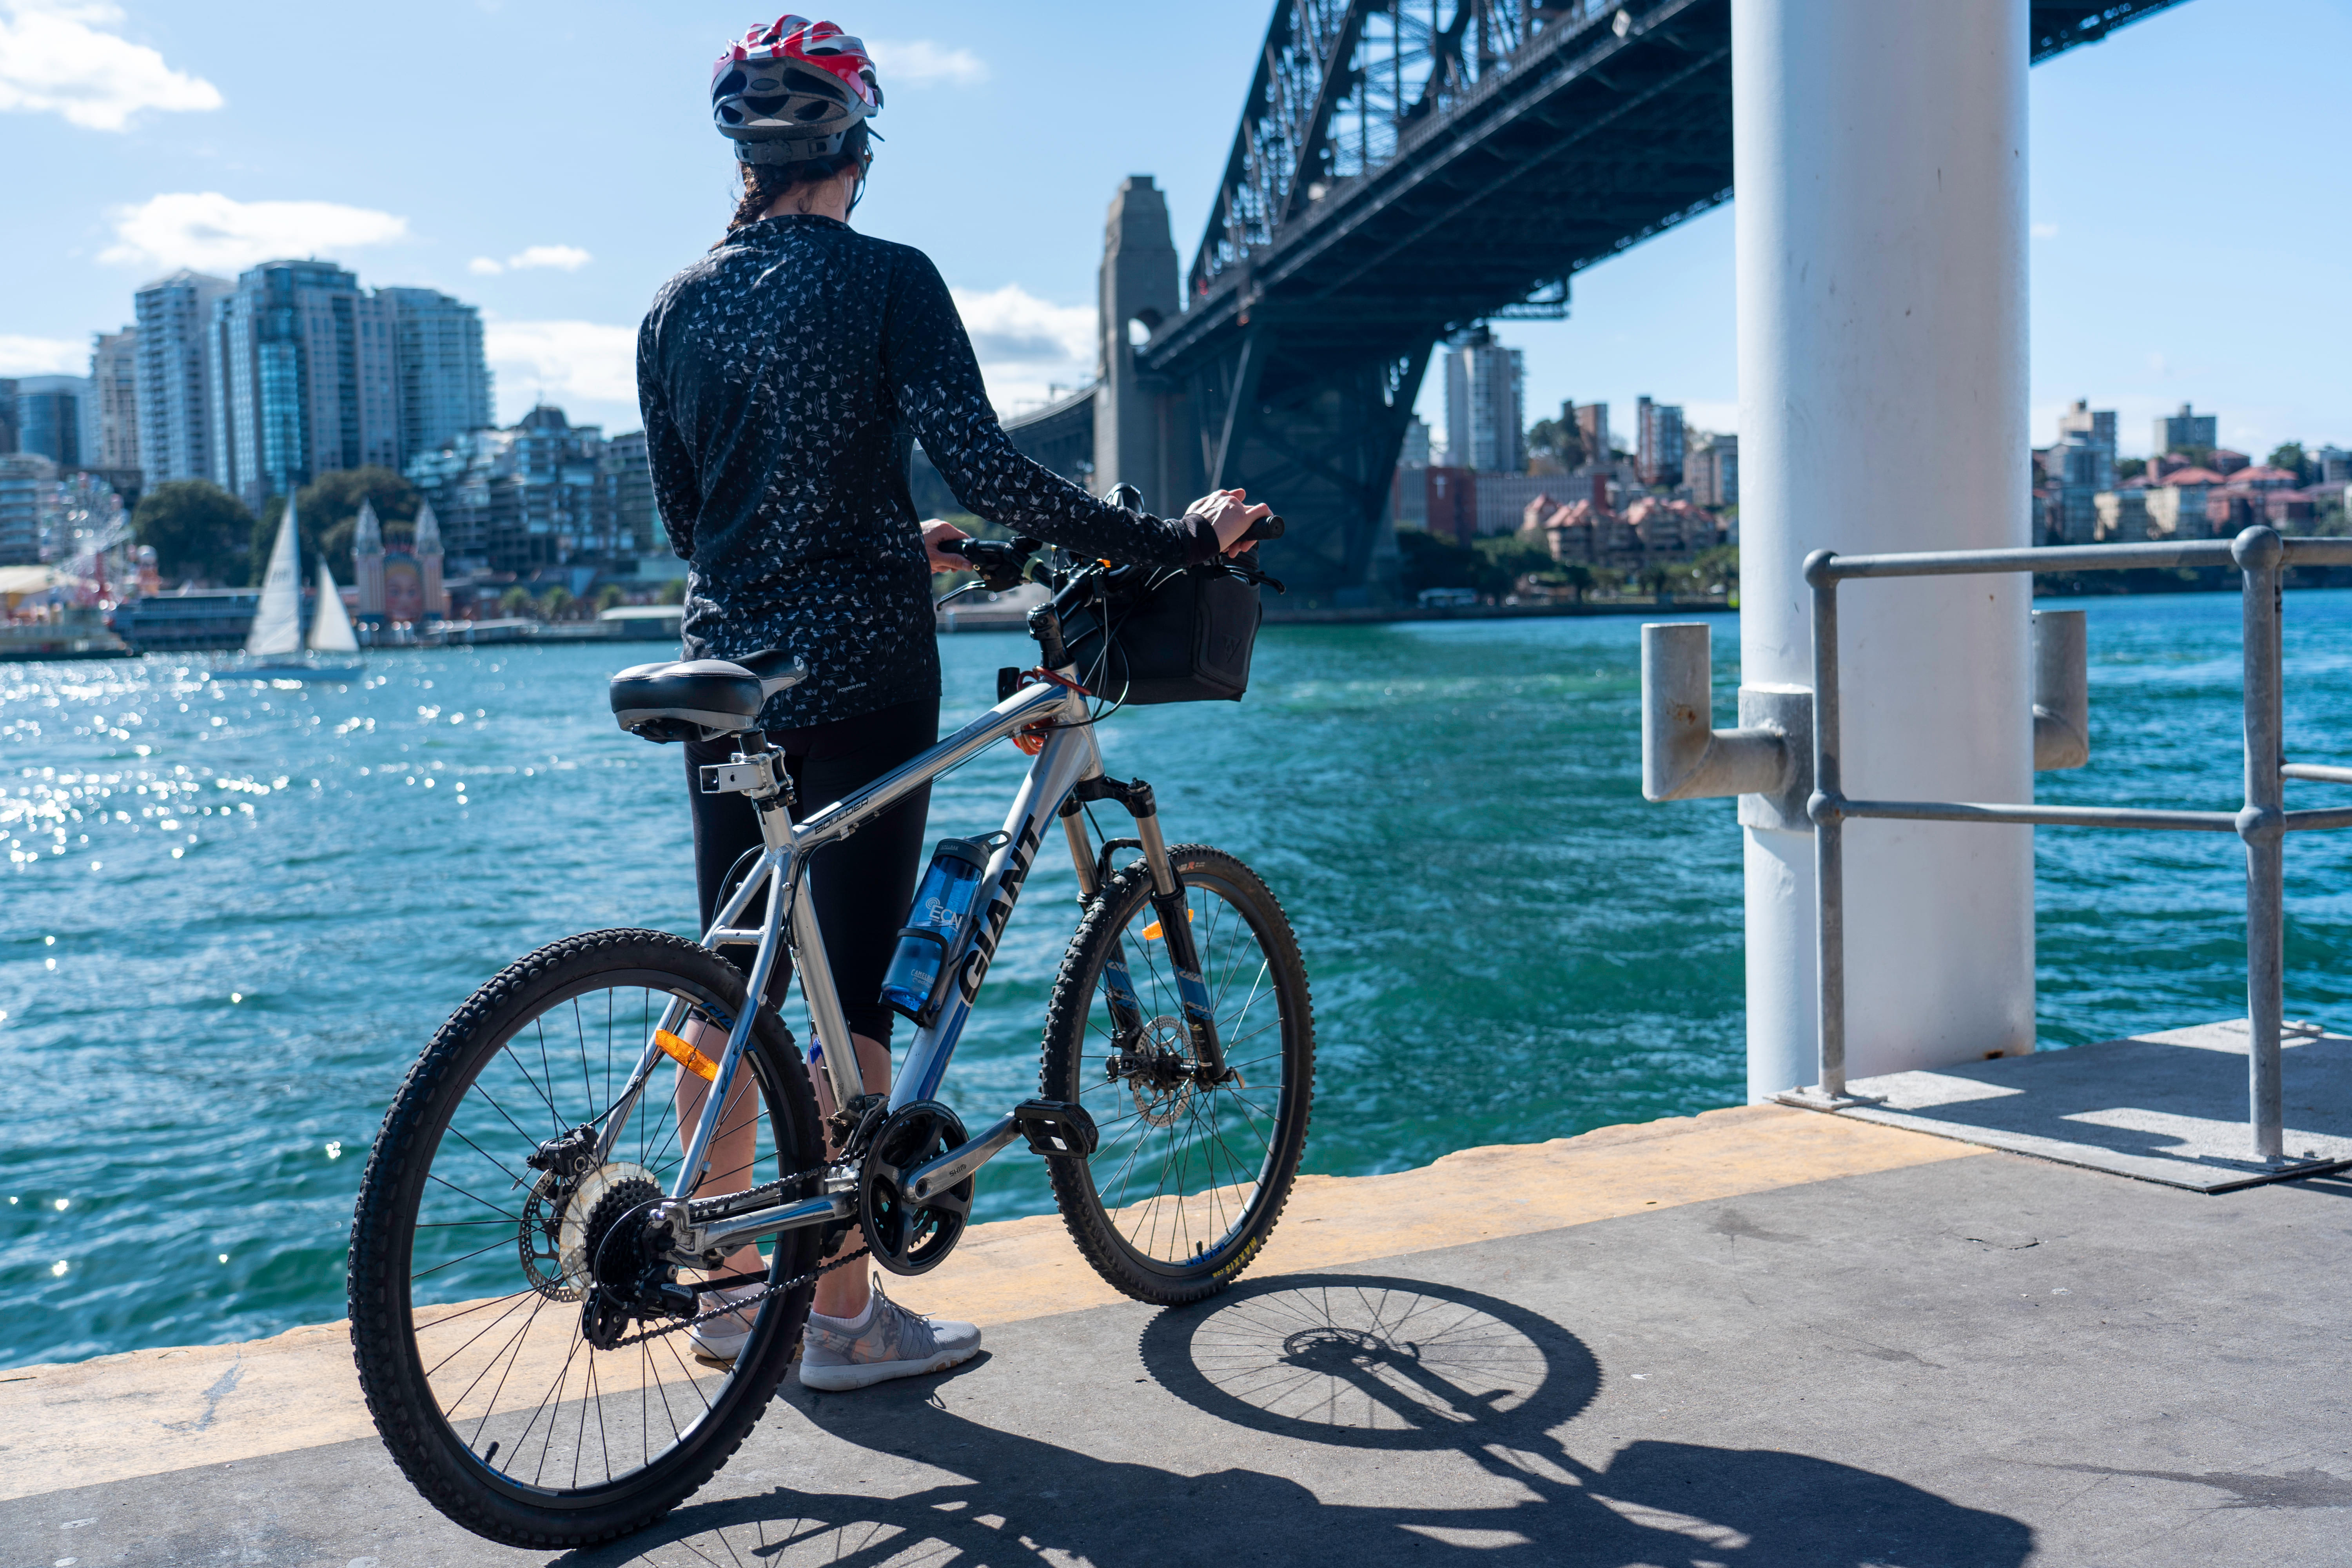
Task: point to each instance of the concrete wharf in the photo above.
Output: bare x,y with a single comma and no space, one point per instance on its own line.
1756,1336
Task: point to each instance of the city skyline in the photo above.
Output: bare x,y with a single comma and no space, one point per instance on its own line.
230,153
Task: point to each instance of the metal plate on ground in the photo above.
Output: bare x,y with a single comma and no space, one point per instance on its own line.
2166,1107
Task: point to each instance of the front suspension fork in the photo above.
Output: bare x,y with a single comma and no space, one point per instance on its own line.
1175,927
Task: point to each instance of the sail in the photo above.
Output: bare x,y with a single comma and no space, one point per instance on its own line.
331,627
278,624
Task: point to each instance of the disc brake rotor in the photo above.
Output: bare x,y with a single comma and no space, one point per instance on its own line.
1169,1044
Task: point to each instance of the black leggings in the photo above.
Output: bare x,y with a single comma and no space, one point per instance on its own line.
862,884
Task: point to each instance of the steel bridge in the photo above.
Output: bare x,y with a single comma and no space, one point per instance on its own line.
1402,170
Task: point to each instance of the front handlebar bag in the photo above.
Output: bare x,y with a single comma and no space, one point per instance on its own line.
1183,636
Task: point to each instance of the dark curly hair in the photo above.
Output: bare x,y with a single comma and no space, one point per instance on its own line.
764,183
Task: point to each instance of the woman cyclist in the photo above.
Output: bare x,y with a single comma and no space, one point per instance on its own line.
783,378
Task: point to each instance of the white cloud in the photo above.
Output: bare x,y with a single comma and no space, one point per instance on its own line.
1025,345
2043,230
919,62
563,257
213,233
584,366
43,356
56,56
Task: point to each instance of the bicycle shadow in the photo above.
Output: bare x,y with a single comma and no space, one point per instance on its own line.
1368,1363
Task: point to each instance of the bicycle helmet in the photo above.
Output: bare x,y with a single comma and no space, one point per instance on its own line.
792,90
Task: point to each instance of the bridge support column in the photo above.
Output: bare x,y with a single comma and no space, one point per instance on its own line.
1879,157
1133,442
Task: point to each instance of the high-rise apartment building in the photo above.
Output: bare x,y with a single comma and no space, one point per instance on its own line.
2083,463
1712,468
114,383
8,416
303,380
1484,427
174,316
2180,432
54,418
1658,437
445,379
28,484
1592,428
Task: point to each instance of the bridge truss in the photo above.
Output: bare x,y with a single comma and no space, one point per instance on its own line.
1404,169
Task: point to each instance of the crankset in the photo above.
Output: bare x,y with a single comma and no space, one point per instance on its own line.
907,1235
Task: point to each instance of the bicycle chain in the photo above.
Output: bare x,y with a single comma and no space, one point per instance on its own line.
792,1284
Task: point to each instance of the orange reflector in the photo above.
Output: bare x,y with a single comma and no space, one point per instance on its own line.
1151,931
686,1056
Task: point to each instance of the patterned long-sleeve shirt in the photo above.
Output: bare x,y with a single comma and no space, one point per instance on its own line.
783,380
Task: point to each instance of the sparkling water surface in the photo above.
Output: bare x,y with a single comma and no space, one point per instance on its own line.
234,911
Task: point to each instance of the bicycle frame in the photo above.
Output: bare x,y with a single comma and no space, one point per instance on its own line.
1068,758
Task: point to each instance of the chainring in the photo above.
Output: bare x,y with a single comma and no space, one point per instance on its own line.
908,1237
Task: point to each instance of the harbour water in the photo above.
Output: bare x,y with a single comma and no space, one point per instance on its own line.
234,911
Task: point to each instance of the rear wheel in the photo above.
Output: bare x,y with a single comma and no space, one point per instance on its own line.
468,1263
1187,1179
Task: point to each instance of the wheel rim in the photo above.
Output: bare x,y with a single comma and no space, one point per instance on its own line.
493,1309
1179,1166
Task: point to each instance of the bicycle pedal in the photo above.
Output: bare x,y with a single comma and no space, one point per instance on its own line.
1057,1129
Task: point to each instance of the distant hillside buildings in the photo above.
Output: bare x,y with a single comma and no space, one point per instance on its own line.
2191,488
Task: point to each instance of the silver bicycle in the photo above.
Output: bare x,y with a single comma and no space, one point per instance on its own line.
610,1132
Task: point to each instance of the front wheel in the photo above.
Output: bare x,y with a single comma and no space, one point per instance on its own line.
1189,1178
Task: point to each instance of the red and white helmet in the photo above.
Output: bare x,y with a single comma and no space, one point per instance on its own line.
792,89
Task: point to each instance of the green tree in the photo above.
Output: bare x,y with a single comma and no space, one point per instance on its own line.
608,597
515,601
1430,562
2290,456
2130,469
198,528
1559,439
329,508
1504,558
673,592
556,602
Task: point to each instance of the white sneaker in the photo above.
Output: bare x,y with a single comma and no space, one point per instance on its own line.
892,1343
721,1339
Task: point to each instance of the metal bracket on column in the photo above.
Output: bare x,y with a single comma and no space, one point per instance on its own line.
1767,761
2062,691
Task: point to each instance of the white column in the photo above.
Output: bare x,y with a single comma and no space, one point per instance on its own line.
1880,165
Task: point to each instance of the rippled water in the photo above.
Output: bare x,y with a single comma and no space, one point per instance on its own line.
233,912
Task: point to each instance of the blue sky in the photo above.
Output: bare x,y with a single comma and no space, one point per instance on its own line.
2193,238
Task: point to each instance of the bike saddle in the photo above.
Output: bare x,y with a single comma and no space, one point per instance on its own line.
702,699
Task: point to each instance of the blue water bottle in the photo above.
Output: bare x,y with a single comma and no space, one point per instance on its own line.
929,943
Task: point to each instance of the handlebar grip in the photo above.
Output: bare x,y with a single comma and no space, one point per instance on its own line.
950,547
1264,528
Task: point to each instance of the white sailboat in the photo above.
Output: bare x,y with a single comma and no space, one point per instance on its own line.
275,643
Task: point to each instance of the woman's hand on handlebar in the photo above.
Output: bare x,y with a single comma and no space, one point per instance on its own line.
1227,512
935,532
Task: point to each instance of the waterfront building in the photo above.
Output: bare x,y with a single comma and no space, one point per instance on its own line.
2122,516
636,520
1712,470
54,418
173,398
303,380
2332,466
2185,431
7,415
2176,504
114,385
543,493
1484,427
399,581
1658,441
1414,452
2080,468
28,484
444,377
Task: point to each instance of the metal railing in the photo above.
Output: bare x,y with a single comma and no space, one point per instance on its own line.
1761,762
